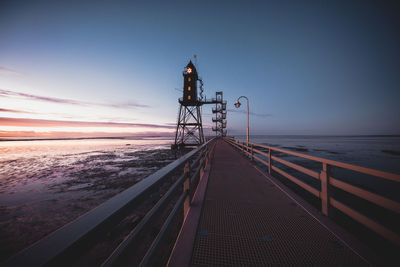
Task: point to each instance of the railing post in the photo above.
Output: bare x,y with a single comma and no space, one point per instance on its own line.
252,153
207,156
186,187
202,167
324,176
269,161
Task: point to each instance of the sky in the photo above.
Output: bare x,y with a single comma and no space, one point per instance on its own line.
114,68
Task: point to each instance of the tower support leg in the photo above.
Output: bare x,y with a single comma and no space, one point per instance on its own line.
189,129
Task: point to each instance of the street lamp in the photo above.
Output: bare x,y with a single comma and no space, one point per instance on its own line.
237,105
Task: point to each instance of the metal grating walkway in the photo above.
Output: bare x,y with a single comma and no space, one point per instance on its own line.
247,221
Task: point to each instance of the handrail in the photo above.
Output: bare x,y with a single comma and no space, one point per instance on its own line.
377,173
373,172
362,193
56,243
156,243
297,167
310,189
326,181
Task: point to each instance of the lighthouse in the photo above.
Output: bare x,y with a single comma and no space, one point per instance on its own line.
189,128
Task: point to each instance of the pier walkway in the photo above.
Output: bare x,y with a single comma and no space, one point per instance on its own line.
232,213
246,220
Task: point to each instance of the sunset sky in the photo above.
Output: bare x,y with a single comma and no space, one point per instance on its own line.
114,68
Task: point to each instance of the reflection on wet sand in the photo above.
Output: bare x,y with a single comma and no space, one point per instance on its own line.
45,185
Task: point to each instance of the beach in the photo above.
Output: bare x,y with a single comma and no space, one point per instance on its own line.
45,184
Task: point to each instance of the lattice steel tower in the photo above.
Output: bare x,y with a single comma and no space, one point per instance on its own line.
189,129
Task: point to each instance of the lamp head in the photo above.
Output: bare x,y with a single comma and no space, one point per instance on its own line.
237,104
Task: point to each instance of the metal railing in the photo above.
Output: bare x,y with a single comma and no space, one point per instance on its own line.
327,181
52,249
218,100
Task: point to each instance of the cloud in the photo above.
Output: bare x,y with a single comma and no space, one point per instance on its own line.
16,111
32,135
9,72
8,93
251,113
171,123
4,121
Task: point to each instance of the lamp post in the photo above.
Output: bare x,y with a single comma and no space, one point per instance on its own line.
237,105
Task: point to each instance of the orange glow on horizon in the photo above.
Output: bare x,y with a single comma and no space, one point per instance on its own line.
82,129
23,127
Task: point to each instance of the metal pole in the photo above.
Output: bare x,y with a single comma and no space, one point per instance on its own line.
237,105
247,121
247,130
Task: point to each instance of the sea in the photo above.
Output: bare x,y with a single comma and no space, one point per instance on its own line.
45,184
376,152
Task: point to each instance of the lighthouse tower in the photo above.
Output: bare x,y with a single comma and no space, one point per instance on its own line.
189,129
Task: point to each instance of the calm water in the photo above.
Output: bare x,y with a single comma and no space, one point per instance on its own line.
366,151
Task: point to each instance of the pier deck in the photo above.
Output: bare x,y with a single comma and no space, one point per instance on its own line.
235,214
246,220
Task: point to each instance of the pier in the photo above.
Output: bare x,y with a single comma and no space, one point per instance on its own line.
223,208
199,133
247,220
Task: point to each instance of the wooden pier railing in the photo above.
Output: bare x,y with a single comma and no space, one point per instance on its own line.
59,247
267,158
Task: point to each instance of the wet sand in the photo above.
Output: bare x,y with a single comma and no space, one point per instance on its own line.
56,189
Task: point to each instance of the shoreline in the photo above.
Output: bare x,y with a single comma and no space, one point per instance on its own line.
71,197
163,137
